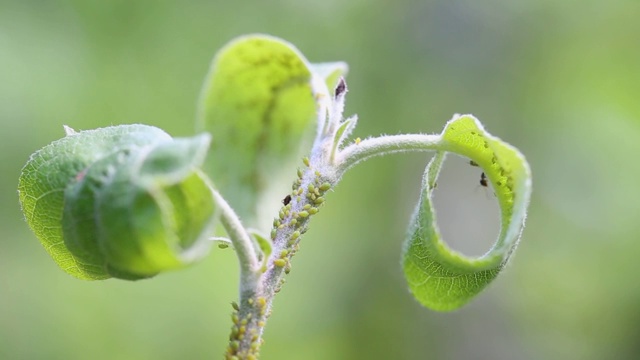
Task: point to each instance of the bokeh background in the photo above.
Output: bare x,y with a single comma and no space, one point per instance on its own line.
558,79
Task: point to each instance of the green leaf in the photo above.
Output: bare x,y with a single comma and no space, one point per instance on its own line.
265,247
342,133
125,201
439,277
258,102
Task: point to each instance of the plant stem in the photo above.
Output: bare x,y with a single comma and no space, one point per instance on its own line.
242,243
383,145
307,197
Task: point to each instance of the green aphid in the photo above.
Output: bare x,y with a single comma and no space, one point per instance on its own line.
280,262
318,200
324,187
303,214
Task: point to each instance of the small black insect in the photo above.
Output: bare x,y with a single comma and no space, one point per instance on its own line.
286,200
483,180
340,88
473,163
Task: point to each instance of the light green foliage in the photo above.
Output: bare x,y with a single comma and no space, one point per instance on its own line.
265,246
125,201
258,100
443,279
130,201
559,81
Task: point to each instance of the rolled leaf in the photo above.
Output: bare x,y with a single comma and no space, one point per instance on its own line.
125,201
439,277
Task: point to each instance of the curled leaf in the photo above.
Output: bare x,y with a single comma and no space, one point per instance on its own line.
125,201
439,277
258,101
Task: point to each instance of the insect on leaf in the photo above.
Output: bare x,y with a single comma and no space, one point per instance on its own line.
439,277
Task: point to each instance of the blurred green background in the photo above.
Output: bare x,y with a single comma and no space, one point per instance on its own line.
559,80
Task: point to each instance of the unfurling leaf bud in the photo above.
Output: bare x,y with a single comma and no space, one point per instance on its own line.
125,201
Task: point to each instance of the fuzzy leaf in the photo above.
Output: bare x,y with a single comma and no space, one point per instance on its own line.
439,277
265,246
124,201
343,132
258,102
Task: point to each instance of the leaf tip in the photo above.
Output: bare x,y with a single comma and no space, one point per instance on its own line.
69,131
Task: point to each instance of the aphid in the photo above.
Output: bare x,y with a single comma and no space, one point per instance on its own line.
280,262
483,180
473,163
340,88
286,200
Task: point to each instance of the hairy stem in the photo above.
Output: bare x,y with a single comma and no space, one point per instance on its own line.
241,241
383,145
307,197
